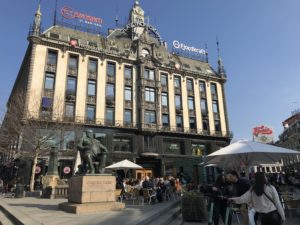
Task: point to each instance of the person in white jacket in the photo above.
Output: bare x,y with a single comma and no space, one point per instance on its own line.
264,199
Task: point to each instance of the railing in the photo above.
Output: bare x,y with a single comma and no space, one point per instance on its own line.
72,71
128,81
110,79
164,88
91,99
48,93
190,93
92,75
51,68
153,127
61,191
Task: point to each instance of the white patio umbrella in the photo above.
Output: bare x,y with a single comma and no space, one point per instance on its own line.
247,153
124,165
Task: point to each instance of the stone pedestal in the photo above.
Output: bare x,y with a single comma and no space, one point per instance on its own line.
49,183
91,193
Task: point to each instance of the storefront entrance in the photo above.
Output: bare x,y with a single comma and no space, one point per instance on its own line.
150,165
141,174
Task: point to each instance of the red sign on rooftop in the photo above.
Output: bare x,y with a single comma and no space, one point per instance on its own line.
70,13
262,130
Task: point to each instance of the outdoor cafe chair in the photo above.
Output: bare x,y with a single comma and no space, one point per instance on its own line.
149,195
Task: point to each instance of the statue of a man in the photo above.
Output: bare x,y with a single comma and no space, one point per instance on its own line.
91,149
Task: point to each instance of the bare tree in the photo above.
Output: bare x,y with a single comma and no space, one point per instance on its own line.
27,133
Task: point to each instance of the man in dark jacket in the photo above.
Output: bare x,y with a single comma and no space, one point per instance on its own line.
241,186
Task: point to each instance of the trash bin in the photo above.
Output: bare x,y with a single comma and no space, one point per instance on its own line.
19,191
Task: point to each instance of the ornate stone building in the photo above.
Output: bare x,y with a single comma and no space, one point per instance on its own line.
290,138
145,103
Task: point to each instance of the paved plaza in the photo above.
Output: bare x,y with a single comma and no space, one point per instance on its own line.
33,211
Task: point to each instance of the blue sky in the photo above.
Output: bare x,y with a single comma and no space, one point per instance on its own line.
260,47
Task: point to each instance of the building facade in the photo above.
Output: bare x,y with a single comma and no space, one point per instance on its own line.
159,109
290,138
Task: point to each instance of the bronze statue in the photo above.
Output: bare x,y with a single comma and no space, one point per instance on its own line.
91,150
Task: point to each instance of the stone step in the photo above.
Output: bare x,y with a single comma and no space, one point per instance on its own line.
168,217
164,216
4,220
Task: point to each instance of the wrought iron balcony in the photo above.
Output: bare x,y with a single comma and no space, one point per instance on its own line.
91,99
92,75
72,71
51,68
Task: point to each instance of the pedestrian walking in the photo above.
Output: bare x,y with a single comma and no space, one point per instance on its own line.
240,187
264,199
220,192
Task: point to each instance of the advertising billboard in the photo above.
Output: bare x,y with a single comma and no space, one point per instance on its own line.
262,134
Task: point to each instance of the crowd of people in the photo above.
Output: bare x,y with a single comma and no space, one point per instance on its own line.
256,197
163,188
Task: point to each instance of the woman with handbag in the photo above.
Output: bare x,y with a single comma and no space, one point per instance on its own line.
264,199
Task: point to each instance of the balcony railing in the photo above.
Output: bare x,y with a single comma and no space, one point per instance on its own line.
177,91
51,68
110,79
72,71
48,93
92,75
164,109
128,82
190,92
150,105
128,104
192,112
150,83
91,99
164,88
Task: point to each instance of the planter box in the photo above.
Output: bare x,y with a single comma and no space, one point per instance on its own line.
194,207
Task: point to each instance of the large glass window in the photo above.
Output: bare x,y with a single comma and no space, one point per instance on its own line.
177,101
149,74
73,62
164,99
164,79
93,66
110,91
70,109
68,140
217,126
111,69
192,123
149,94
177,82
215,107
71,86
191,103
110,115
165,120
202,86
213,88
189,84
122,143
128,94
150,117
203,106
205,125
49,81
127,116
90,112
91,88
179,122
128,73
47,104
52,58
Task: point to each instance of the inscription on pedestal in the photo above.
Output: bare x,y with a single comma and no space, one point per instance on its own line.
85,189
